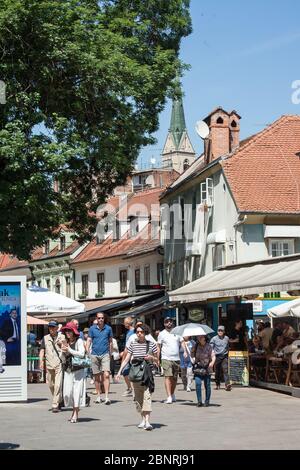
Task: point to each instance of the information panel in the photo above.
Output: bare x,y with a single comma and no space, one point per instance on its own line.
238,367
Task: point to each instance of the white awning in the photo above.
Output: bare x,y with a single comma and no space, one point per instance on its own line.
286,309
263,277
216,237
281,231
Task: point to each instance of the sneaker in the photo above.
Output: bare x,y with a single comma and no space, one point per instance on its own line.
98,399
188,389
199,404
141,425
107,401
173,398
148,427
206,404
168,401
128,393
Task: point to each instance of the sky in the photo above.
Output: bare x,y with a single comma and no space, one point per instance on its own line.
242,56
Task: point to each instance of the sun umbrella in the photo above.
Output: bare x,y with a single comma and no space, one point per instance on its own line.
40,300
35,321
192,329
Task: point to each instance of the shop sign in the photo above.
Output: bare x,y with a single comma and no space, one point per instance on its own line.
197,315
257,305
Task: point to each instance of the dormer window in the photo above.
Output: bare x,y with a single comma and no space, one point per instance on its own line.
220,120
62,243
233,123
47,247
134,226
185,165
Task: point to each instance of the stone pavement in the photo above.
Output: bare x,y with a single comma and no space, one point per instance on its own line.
246,418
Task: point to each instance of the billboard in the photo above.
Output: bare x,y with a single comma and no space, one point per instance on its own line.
13,348
10,324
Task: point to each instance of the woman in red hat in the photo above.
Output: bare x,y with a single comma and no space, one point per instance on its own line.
74,380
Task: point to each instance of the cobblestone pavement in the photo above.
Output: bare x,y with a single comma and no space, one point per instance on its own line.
246,418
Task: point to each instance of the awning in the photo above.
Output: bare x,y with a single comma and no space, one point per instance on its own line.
145,309
286,309
35,321
281,231
265,276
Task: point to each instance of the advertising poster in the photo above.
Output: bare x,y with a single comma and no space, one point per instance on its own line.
10,324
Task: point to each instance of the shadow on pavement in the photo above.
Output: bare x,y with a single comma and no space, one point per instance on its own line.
87,420
33,400
194,403
8,446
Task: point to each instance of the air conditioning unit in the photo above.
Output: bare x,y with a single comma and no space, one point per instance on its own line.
207,192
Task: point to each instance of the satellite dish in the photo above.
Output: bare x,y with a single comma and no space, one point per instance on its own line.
202,129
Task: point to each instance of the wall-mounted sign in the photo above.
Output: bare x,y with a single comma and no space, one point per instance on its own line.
257,305
197,315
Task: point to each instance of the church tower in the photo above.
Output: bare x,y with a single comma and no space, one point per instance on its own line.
178,153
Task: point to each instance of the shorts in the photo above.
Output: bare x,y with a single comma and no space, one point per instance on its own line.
170,368
126,370
100,363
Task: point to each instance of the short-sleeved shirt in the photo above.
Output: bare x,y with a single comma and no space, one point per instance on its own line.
100,339
134,338
170,344
186,361
220,345
240,346
138,349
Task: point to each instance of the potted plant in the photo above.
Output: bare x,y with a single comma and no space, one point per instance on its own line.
99,294
82,296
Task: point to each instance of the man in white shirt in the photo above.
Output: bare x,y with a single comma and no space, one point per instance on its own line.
168,346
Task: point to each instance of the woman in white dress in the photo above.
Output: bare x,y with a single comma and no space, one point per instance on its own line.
74,387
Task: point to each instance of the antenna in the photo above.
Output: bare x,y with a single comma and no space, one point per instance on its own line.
202,129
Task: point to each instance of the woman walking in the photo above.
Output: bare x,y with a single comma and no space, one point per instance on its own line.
74,388
142,351
204,359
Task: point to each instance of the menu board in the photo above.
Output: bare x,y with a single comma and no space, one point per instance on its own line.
238,367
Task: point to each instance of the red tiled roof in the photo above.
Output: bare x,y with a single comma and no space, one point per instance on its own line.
38,254
11,262
142,243
264,175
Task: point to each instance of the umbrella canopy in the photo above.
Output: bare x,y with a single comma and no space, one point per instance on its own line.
35,321
286,309
40,300
192,329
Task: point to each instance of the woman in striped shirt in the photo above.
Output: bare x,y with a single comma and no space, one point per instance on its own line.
138,350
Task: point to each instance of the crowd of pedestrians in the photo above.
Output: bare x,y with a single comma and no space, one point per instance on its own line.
70,356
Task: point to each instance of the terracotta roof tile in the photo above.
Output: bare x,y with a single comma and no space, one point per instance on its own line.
38,253
264,174
10,262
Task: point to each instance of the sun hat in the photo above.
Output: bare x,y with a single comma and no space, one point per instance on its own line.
72,327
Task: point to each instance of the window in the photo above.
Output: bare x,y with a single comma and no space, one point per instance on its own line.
48,283
100,282
207,192
185,165
281,247
134,226
47,247
62,243
68,286
147,275
137,277
39,283
220,120
196,267
160,274
123,281
182,216
218,256
85,284
57,286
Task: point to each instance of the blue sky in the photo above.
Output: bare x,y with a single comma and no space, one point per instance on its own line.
243,56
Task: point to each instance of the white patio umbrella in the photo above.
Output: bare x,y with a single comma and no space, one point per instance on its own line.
286,309
40,300
192,329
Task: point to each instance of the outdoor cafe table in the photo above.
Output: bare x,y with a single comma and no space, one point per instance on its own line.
277,365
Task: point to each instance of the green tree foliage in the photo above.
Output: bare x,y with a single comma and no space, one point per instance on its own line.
85,82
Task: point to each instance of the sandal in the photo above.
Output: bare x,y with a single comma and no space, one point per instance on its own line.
73,420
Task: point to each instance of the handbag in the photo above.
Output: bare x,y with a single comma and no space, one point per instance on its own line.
200,371
81,362
136,371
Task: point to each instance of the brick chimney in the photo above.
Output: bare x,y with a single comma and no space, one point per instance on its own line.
224,130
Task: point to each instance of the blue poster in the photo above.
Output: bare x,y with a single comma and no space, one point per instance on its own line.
10,324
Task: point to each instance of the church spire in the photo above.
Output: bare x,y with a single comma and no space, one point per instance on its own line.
177,126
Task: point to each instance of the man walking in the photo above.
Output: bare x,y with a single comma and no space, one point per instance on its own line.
51,348
168,346
100,337
128,323
220,345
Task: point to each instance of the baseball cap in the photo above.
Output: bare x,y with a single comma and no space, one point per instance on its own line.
168,319
221,328
53,323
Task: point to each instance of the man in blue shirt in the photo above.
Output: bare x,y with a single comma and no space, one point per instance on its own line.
100,337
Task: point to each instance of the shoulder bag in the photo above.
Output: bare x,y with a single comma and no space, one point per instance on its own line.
80,362
137,368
